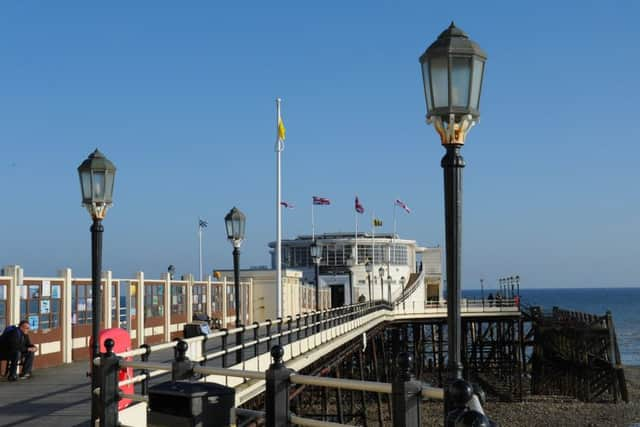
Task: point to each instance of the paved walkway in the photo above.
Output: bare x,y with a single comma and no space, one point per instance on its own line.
58,396
52,397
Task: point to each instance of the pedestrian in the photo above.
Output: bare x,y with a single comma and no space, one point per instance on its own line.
15,345
490,298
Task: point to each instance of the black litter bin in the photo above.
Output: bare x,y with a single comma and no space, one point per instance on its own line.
178,404
191,330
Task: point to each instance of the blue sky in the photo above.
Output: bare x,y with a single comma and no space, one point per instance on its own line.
180,96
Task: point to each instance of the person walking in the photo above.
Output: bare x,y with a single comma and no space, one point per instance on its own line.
16,345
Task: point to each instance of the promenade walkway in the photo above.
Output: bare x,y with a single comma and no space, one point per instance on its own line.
52,397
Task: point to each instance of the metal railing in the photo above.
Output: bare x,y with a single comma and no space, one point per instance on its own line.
235,346
405,392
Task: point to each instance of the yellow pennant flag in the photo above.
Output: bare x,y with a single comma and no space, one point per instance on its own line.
282,131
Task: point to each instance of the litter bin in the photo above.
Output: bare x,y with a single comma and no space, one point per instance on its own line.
195,329
185,404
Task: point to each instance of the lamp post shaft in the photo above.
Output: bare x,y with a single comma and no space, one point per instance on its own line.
381,288
317,279
236,281
96,305
351,287
452,164
369,283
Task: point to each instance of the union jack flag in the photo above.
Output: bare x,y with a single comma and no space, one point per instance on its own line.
287,204
403,205
321,201
359,207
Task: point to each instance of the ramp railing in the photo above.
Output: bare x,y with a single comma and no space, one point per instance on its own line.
405,392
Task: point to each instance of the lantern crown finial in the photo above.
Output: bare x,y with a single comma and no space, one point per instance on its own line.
452,31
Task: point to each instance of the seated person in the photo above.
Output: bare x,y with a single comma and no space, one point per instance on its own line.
14,345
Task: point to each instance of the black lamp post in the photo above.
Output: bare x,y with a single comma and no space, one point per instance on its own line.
235,222
172,271
97,175
368,266
518,285
452,72
389,287
381,273
316,256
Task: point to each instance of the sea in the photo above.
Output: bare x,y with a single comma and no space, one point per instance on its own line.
624,304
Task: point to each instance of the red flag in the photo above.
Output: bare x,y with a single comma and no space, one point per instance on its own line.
321,201
403,205
287,205
359,207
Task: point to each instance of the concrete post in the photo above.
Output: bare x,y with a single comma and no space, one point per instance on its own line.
107,295
140,308
189,299
167,307
16,275
208,294
65,321
224,303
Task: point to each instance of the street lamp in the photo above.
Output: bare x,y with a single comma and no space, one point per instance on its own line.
381,273
350,263
172,271
97,175
235,222
452,73
316,256
368,266
518,285
389,287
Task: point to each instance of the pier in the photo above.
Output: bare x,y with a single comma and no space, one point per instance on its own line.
319,344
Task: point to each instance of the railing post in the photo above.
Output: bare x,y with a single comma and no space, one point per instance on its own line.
279,328
277,391
108,372
289,320
268,333
145,372
256,329
181,367
223,345
405,394
239,341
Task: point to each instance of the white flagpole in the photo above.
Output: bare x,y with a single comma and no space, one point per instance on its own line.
200,246
313,224
356,251
394,220
279,148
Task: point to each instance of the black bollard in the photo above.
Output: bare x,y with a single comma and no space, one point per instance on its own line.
181,367
109,392
277,391
406,394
